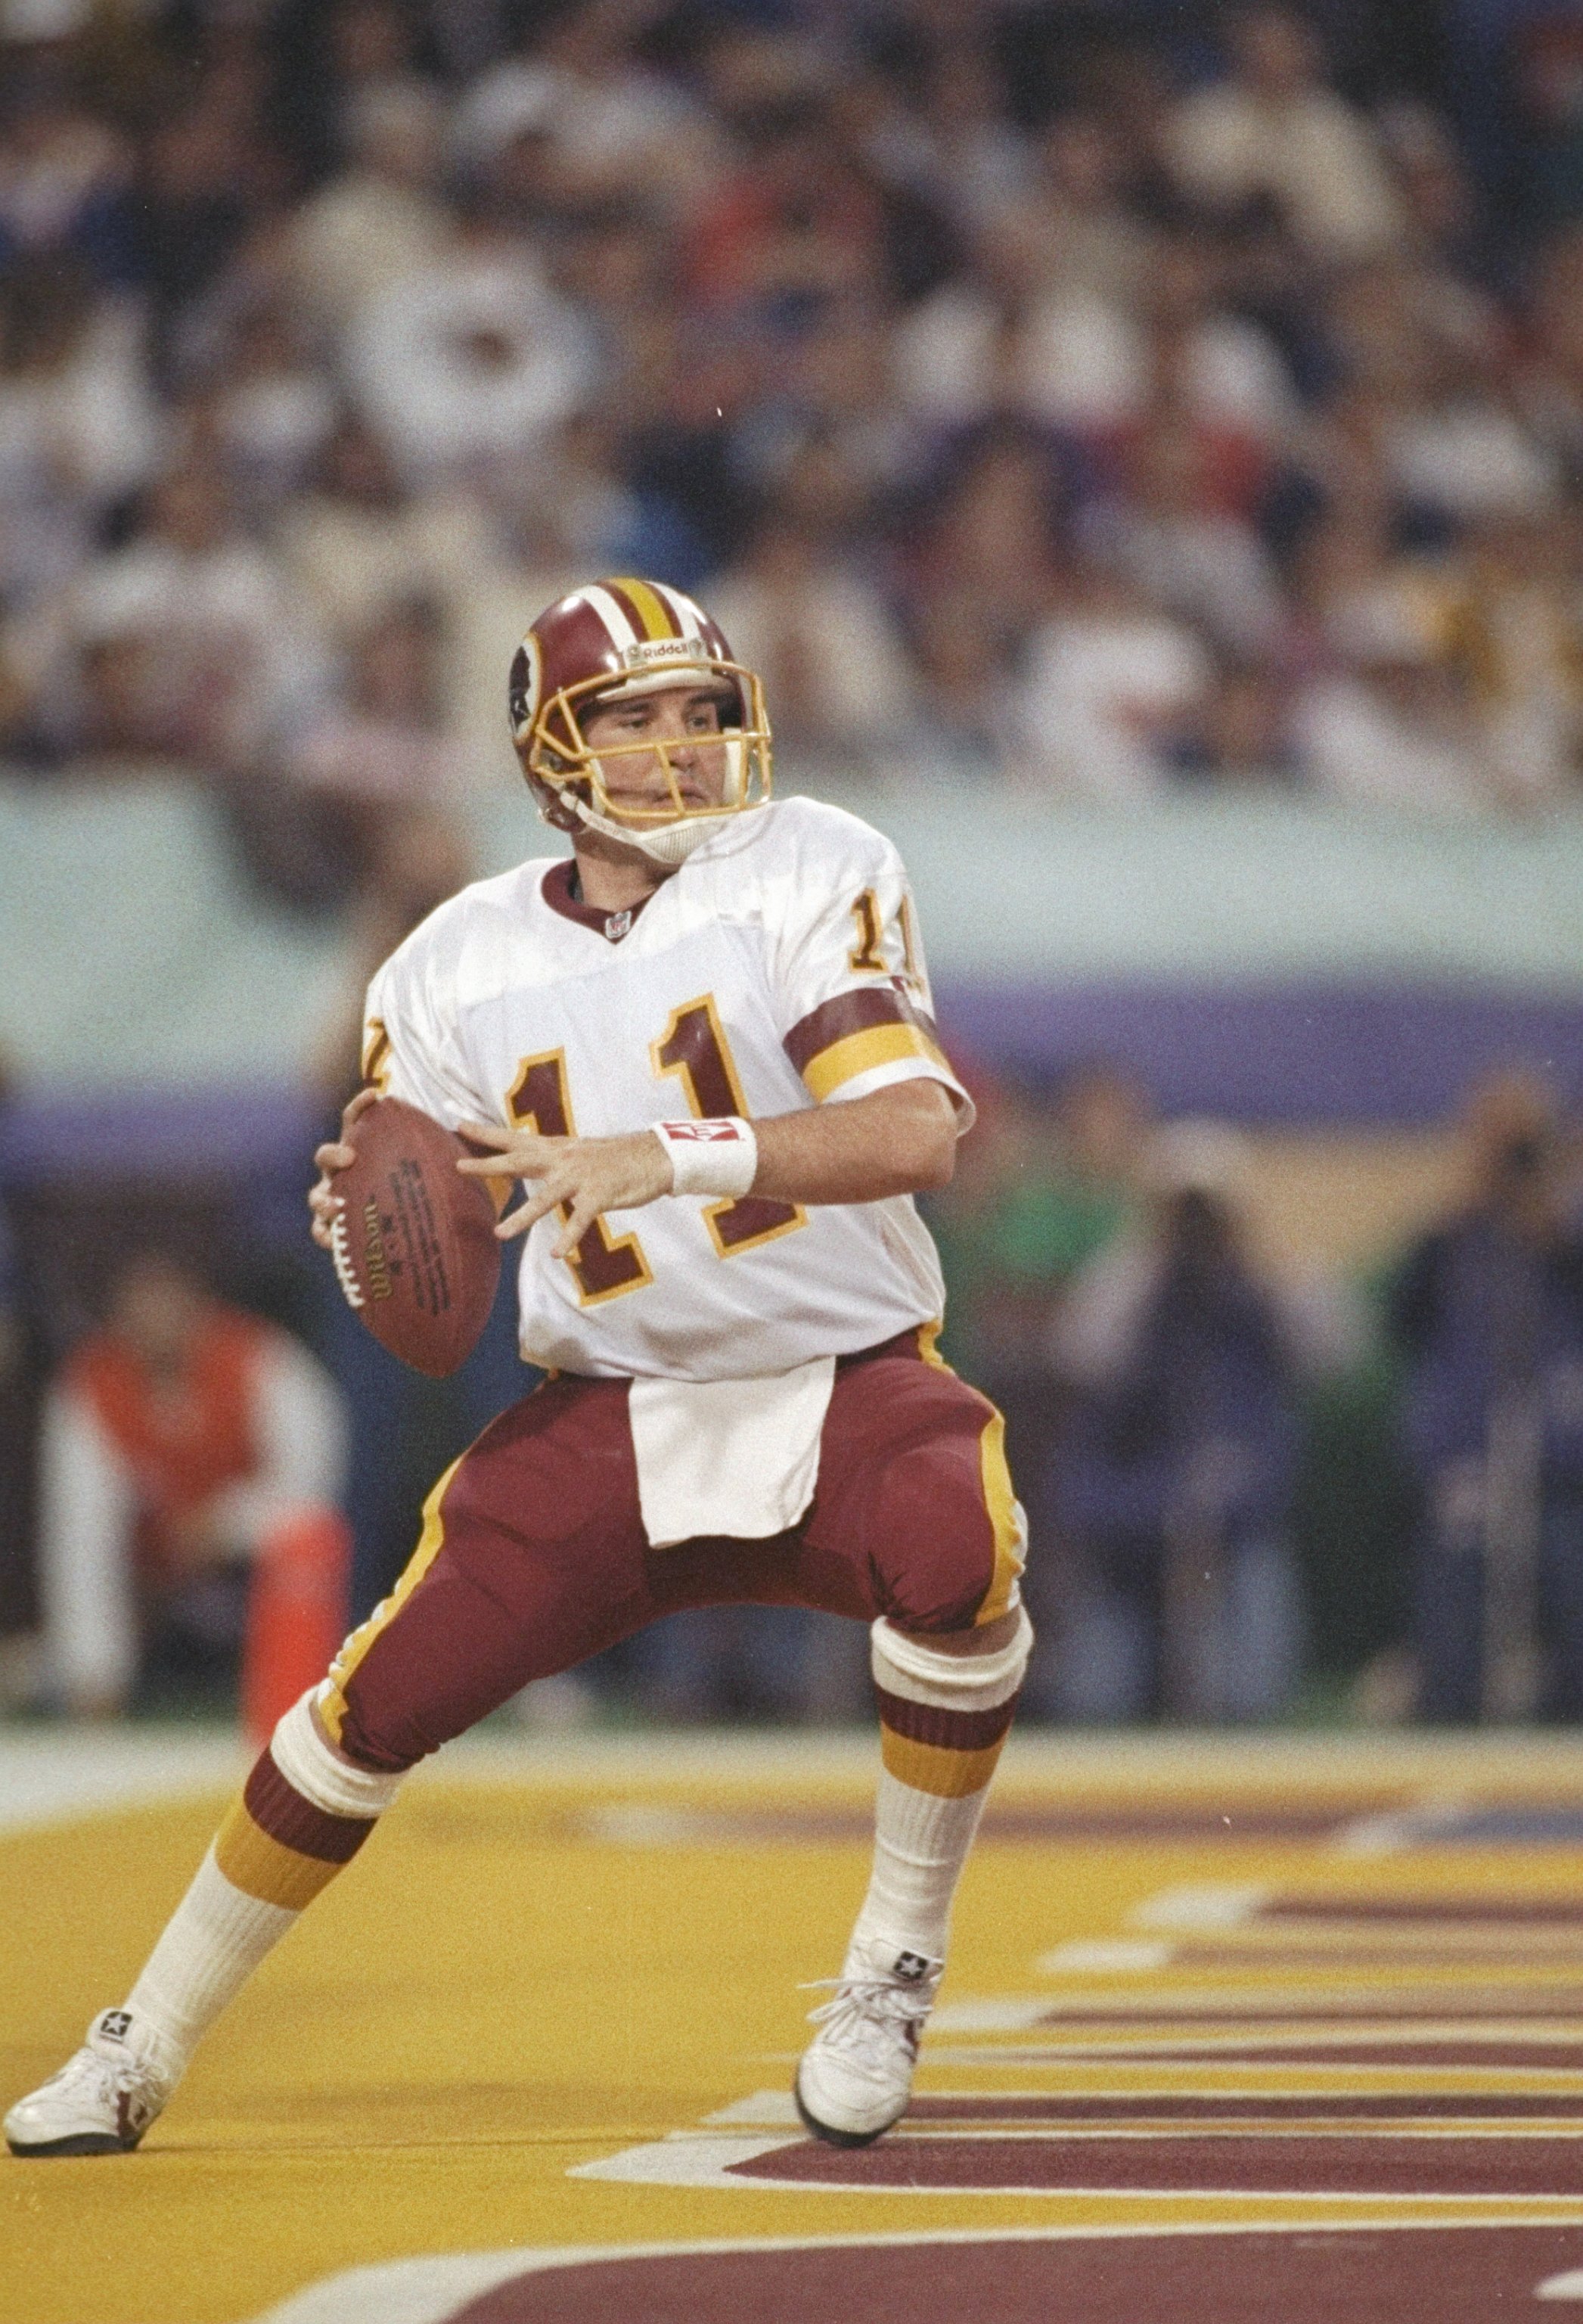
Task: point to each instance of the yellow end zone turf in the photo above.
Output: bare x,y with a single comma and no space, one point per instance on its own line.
568,1956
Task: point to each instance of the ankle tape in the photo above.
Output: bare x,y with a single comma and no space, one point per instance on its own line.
309,1766
918,1672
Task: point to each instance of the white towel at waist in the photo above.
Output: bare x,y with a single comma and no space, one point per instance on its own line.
737,1457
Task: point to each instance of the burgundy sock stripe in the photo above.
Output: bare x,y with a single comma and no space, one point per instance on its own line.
948,1730
287,1817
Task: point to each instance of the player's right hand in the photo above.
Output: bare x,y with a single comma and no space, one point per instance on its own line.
334,1156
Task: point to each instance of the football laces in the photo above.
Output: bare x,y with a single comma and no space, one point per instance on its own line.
341,1252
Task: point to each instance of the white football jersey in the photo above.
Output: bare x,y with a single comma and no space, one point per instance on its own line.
778,968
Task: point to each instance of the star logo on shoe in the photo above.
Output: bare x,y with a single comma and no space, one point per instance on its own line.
114,2025
910,1967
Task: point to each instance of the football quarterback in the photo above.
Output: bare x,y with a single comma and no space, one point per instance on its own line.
703,1044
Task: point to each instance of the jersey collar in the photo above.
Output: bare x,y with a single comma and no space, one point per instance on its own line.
556,891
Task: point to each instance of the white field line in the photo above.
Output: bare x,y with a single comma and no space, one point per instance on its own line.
428,2291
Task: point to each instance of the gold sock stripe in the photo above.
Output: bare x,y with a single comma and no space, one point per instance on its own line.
332,1705
265,1868
930,1767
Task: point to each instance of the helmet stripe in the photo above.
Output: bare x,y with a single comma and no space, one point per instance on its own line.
685,614
617,625
655,616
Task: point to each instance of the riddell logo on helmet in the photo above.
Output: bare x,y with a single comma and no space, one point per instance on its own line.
648,650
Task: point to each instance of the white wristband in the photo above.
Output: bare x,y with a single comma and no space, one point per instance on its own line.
710,1158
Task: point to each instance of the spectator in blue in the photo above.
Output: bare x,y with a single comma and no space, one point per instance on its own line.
1486,1315
1185,1360
66,190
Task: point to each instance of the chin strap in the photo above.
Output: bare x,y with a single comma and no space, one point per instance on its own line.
668,843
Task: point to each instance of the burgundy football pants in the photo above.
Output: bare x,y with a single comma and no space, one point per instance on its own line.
533,1554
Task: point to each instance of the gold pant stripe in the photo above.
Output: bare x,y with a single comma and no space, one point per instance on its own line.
930,1767
262,1868
1000,1494
332,1705
1005,1517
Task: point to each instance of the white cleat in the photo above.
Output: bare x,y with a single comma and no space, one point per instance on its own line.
856,2075
103,2098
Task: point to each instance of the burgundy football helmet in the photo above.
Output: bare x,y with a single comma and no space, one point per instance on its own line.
605,644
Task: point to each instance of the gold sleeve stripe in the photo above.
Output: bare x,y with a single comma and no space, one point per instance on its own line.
265,1868
861,1053
1004,1518
332,1706
930,1767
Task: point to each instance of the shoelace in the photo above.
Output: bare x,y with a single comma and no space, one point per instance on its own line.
87,2074
868,2004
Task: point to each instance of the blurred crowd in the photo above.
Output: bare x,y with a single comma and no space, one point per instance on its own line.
1169,1368
1108,401
1257,1486
1111,401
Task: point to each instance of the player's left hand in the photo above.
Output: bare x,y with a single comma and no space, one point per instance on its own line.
588,1176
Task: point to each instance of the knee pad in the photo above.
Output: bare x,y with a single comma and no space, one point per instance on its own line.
312,1768
946,1542
919,1673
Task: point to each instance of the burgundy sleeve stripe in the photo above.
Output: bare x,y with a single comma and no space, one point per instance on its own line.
852,1012
946,1730
284,1813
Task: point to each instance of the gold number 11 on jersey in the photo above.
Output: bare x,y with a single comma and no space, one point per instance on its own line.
605,1264
694,1048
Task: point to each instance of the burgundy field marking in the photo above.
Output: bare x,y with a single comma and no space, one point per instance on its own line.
1251,2122
1425,2168
1506,1912
990,2109
1497,2043
1241,2012
1404,2276
1517,2057
1325,2067
1254,1953
1299,1941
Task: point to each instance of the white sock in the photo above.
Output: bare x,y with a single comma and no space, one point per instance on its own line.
302,1814
943,1720
212,1943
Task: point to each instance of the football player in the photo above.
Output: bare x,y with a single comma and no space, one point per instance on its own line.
703,1044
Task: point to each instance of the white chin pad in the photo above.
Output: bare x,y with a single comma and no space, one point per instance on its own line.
663,842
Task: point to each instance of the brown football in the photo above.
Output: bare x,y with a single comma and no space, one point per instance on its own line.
414,1241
